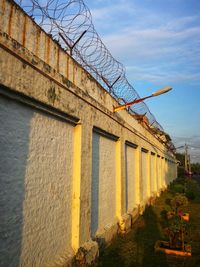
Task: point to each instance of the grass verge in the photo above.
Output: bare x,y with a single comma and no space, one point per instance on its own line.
136,249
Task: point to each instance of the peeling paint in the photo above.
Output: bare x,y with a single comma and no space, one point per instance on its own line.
66,82
34,61
51,94
15,44
47,67
24,65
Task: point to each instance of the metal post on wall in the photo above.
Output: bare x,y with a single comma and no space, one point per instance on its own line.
71,47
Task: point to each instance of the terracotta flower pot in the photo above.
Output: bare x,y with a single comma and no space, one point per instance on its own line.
186,217
163,246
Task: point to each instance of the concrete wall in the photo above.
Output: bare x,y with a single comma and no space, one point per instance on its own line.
103,183
70,169
131,177
36,180
144,177
153,177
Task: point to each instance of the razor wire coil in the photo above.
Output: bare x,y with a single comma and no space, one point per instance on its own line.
72,19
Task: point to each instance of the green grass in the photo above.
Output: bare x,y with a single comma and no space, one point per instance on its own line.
136,249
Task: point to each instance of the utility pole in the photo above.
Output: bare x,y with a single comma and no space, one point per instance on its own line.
190,172
187,162
186,158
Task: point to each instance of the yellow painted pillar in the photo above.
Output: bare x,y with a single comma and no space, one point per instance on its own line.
138,186
166,180
170,172
163,173
118,180
138,176
155,184
148,175
167,167
157,175
76,184
168,177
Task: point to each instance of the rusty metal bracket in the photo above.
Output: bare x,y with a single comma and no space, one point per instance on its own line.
110,85
71,47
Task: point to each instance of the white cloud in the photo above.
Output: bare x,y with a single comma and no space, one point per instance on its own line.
142,41
110,11
161,47
159,76
152,47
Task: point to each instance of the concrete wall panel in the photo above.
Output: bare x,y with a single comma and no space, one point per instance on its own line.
103,183
144,177
35,186
131,178
153,179
158,173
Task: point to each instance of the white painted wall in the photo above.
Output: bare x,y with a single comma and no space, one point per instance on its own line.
36,176
131,181
163,173
144,177
153,178
103,183
159,173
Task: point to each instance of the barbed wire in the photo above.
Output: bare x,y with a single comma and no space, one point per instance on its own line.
70,23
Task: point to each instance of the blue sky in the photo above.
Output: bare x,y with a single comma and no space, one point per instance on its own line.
159,44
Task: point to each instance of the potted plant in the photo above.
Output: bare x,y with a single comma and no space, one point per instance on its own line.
184,215
178,202
176,230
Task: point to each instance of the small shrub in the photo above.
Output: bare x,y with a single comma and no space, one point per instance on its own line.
177,232
170,214
180,180
190,195
168,201
178,188
178,202
191,185
163,214
181,172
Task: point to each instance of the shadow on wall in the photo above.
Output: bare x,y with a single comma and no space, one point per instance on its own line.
95,184
14,140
